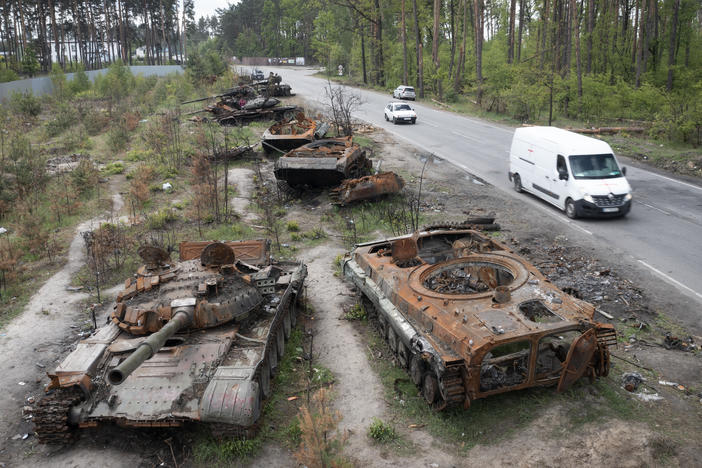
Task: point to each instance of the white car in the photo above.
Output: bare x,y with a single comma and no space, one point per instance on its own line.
404,92
400,112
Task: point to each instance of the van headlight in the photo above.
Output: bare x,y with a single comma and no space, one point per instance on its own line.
628,197
588,198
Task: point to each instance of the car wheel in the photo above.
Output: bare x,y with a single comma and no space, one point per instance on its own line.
414,121
570,209
394,120
517,183
386,117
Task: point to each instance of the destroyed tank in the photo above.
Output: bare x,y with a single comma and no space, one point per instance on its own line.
195,340
322,163
469,318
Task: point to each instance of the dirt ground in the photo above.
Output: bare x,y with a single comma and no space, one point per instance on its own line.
54,320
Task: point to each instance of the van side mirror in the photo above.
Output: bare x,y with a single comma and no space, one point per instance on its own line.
623,170
563,174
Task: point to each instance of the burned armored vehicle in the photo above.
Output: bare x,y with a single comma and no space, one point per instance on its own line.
322,163
282,137
469,318
195,340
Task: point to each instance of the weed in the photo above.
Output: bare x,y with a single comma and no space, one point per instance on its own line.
214,452
316,233
381,432
295,237
160,219
292,226
357,312
113,168
338,265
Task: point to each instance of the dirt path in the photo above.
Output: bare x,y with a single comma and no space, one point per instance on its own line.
34,343
242,178
358,390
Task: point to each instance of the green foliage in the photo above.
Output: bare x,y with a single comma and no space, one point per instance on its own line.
116,83
118,136
214,452
381,432
137,155
357,312
58,81
162,218
64,116
7,74
30,64
292,226
84,176
205,63
80,81
25,103
113,168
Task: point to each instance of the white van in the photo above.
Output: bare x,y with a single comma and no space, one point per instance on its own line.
576,173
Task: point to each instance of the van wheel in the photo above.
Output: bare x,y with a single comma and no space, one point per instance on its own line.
570,209
517,183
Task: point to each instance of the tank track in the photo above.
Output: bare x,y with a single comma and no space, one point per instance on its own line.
481,224
50,415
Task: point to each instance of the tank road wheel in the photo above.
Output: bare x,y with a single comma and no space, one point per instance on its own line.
280,338
273,357
402,354
392,339
287,326
264,379
417,368
430,389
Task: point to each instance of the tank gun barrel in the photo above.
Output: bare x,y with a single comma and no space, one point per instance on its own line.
183,311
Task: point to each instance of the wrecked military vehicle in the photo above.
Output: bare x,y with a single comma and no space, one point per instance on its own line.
322,163
285,136
469,318
195,340
366,187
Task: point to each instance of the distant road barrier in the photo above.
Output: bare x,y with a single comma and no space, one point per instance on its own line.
42,85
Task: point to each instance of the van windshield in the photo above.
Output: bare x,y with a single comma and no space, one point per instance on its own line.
594,166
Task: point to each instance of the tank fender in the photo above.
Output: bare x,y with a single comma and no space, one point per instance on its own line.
231,398
405,331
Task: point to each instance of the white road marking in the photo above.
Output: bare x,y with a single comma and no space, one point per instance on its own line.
463,135
670,279
672,180
429,123
654,208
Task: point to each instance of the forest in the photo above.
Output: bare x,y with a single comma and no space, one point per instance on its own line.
587,60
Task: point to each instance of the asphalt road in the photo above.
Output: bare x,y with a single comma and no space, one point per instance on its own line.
662,233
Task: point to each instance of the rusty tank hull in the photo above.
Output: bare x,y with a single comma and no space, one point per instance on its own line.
468,318
285,136
195,340
366,188
322,163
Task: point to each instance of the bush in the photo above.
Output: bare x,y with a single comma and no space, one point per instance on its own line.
292,226
25,103
80,81
118,136
162,218
95,121
114,168
381,432
65,116
7,74
85,176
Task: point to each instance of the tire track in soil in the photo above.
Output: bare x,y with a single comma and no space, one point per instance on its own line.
359,393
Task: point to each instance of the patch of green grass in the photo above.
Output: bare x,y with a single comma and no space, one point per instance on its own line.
357,312
113,168
230,231
161,218
381,431
295,237
212,452
292,226
338,265
364,141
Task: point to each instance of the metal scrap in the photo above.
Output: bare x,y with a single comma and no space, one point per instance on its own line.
366,187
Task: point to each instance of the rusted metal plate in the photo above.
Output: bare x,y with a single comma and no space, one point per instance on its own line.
366,188
254,252
285,136
579,356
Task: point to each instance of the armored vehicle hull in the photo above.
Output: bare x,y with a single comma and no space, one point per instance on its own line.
285,136
469,318
190,341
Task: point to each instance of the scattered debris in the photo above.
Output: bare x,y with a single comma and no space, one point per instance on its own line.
643,396
62,164
631,381
682,344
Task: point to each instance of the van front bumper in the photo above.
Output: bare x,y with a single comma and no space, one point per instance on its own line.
590,210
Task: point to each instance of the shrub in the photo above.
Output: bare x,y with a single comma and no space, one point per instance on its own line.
114,168
64,117
7,74
293,226
381,432
85,176
118,136
160,219
80,81
25,103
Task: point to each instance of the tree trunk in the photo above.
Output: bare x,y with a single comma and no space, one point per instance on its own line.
453,41
521,30
435,46
578,66
462,54
671,48
478,5
510,34
420,57
363,55
380,61
403,34
545,31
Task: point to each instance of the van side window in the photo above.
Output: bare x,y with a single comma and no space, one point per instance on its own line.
561,165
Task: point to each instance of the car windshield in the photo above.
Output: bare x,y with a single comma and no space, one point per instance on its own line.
400,107
409,90
594,166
